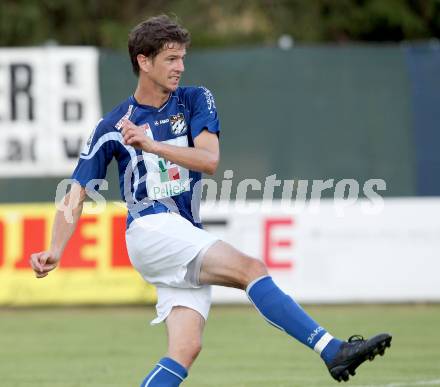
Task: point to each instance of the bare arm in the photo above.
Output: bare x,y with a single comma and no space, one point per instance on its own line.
204,157
64,226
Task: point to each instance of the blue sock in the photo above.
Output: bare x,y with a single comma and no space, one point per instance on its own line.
167,373
283,312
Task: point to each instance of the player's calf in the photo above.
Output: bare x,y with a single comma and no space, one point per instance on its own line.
184,330
280,310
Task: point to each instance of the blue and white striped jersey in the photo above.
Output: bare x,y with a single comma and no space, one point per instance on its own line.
148,183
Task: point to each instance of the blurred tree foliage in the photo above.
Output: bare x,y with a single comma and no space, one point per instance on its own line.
106,23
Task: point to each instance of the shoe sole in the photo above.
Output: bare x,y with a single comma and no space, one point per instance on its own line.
377,347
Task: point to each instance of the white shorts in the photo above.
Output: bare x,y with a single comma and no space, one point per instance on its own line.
162,248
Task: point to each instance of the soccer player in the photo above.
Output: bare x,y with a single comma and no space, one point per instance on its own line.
163,138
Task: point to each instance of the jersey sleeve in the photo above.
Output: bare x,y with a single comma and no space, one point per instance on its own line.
204,113
96,154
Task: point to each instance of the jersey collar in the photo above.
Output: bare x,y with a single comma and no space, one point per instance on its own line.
151,108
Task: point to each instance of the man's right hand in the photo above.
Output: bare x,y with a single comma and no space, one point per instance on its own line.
42,263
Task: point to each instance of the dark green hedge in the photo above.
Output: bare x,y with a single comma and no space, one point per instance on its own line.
105,23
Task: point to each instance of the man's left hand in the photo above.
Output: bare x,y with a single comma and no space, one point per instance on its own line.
136,136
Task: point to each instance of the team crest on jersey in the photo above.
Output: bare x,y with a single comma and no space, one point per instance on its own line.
178,124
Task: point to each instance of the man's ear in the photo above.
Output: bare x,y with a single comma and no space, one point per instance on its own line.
144,62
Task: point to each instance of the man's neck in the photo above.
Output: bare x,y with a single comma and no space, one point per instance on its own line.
151,96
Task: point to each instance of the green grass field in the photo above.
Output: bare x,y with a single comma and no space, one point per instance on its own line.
101,347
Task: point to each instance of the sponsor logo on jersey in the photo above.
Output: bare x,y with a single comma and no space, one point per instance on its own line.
170,183
168,171
178,124
161,122
165,178
169,189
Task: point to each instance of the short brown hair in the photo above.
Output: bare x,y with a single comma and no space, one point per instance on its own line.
149,37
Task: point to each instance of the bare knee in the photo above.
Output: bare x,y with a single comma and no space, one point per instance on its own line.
185,352
224,265
254,269
193,349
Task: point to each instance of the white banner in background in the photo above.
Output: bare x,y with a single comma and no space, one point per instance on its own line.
49,104
317,255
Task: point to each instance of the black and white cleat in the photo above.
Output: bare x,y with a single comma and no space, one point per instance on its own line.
354,352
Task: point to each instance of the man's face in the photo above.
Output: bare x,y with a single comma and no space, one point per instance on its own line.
166,68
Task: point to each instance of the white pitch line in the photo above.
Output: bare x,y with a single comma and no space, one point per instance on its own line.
435,382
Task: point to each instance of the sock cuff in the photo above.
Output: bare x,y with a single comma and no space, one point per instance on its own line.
322,343
255,281
173,367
